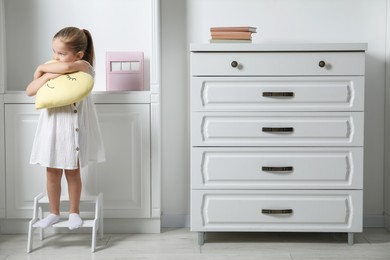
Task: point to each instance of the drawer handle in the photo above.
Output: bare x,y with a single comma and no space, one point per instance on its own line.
322,64
234,64
278,94
277,211
278,129
277,168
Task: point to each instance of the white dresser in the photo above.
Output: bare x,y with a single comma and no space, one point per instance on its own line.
277,137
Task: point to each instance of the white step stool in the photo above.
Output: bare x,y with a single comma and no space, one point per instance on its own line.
96,224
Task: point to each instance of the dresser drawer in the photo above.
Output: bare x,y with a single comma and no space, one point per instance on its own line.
277,168
276,63
277,129
277,93
277,210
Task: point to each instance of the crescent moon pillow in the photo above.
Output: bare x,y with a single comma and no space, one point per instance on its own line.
64,90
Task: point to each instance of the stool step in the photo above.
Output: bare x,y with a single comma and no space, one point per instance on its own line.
65,223
45,200
87,223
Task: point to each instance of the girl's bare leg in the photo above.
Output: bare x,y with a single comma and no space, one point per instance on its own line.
74,189
53,186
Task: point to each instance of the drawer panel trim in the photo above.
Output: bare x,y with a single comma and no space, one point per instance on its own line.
285,168
277,129
277,63
335,211
278,94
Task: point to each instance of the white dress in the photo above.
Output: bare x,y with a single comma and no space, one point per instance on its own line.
68,135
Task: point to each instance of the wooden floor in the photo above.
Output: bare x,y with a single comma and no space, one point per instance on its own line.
172,244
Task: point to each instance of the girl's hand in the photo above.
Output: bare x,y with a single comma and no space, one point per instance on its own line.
50,75
37,83
61,67
38,73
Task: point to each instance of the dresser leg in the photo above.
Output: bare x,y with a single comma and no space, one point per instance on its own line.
350,238
201,238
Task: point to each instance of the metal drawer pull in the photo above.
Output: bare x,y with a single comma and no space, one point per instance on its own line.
277,211
278,94
234,64
278,129
277,168
322,64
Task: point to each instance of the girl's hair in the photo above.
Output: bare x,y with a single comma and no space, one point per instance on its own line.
78,40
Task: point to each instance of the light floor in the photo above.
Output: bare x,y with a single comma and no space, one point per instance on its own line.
173,244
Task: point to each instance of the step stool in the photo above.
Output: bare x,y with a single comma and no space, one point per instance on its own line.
96,224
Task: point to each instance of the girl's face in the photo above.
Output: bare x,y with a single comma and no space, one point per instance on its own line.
62,53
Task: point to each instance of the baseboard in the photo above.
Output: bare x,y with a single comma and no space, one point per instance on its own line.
175,221
374,221
387,221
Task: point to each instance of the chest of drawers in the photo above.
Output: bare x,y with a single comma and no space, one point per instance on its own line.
277,137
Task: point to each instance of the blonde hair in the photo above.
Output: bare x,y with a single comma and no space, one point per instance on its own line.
78,40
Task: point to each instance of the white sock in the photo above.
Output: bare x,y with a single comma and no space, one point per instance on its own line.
74,221
48,221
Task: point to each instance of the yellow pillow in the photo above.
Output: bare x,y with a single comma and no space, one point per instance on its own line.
64,90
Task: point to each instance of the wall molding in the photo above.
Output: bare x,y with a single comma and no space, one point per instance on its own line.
155,111
155,63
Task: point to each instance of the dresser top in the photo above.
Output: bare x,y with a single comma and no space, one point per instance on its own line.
271,47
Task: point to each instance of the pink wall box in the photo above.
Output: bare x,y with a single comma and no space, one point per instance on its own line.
125,71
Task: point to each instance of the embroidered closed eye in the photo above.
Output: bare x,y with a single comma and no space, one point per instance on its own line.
70,78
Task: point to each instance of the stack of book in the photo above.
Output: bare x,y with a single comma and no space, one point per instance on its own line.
232,34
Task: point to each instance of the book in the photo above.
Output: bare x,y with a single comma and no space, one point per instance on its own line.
234,29
231,35
229,41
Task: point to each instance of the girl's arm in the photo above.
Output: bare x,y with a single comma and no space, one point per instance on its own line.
61,68
37,83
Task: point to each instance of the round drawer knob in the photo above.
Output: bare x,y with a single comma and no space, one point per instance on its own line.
322,64
234,64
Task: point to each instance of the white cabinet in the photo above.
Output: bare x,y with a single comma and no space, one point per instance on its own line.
124,178
277,137
23,181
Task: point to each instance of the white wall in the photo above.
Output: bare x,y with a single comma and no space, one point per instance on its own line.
2,49
119,25
175,116
387,127
185,22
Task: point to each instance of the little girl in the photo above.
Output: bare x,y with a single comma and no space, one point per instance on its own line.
67,137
